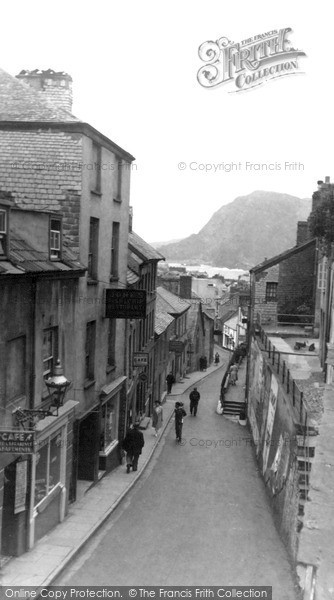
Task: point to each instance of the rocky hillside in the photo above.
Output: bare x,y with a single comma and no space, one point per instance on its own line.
241,234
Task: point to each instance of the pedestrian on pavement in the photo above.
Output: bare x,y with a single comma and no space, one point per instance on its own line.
157,417
205,363
133,444
170,380
179,413
194,398
233,374
217,359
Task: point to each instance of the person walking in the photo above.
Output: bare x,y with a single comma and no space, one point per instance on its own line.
170,380
157,417
217,359
133,444
194,398
179,413
233,374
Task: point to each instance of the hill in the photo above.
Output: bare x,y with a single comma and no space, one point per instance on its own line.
241,234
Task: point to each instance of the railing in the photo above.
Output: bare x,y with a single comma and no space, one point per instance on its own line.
283,371
300,320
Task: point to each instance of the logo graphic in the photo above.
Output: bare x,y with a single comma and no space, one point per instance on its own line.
248,63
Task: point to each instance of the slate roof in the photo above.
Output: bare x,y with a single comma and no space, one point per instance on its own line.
283,256
143,249
23,258
173,304
162,318
20,102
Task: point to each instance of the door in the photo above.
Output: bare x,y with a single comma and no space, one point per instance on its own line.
88,455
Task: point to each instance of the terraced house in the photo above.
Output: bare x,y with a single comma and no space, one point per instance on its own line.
68,184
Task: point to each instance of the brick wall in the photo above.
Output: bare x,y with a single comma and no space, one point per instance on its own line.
296,282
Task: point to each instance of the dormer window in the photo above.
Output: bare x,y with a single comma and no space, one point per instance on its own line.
3,232
55,239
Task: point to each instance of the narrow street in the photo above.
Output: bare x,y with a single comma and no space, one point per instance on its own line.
198,516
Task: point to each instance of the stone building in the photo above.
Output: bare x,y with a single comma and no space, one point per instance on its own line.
53,162
39,294
178,344
142,275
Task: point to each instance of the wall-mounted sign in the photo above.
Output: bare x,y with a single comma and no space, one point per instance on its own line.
125,304
142,376
176,346
21,486
140,359
17,442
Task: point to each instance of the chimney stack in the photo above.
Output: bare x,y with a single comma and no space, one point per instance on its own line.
55,87
303,234
185,286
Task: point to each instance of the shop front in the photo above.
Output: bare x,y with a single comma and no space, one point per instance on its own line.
113,415
51,472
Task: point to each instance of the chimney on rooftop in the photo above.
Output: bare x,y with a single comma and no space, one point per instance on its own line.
185,286
55,87
303,234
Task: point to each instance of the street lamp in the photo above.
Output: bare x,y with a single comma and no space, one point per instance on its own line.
57,386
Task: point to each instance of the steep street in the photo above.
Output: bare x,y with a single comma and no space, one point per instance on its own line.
198,516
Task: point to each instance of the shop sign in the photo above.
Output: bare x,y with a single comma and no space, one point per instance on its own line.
17,442
176,346
140,359
20,486
125,304
143,377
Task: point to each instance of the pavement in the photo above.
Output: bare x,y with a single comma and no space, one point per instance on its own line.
41,565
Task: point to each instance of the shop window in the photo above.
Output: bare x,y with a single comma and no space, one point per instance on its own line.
55,239
271,292
48,463
109,424
322,274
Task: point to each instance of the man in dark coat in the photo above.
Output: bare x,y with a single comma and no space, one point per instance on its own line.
179,413
133,444
194,398
170,379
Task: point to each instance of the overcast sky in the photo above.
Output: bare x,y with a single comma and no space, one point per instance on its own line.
134,66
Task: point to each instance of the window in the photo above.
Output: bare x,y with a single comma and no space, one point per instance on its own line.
48,460
114,250
15,368
118,183
111,343
55,239
90,350
3,233
322,274
93,248
109,425
271,292
50,354
96,184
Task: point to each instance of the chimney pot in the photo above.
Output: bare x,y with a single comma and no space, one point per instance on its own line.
55,87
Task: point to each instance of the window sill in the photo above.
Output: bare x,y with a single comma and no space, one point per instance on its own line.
96,193
92,282
110,368
89,383
109,448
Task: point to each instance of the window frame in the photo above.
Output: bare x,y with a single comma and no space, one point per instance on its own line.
114,254
55,253
97,168
271,293
111,344
90,344
4,233
93,247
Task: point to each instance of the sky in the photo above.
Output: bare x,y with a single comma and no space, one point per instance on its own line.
134,67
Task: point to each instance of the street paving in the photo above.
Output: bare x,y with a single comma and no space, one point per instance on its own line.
199,514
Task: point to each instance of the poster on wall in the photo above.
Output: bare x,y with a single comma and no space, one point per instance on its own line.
21,486
270,421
